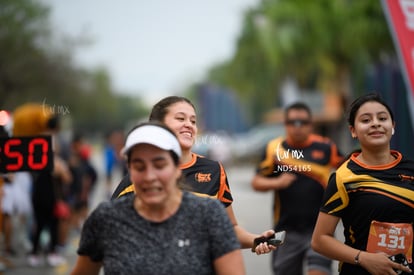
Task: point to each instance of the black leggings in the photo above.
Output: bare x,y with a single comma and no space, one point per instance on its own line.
44,219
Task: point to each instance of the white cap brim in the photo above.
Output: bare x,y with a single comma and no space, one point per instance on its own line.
154,135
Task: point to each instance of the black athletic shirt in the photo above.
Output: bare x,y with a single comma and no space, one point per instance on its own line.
360,194
203,177
297,206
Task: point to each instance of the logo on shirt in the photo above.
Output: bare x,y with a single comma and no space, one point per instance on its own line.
406,178
182,243
318,154
200,177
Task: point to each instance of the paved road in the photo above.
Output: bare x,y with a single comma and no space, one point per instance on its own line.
252,209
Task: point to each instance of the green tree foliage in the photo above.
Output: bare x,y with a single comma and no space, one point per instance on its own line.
109,110
319,43
21,27
33,68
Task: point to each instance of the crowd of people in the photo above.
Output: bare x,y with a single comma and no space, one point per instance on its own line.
39,209
176,207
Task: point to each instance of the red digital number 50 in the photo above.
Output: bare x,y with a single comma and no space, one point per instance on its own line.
26,154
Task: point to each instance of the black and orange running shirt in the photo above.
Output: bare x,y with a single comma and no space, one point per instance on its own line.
368,199
203,177
297,206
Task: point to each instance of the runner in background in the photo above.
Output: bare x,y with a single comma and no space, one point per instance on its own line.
84,179
114,164
296,167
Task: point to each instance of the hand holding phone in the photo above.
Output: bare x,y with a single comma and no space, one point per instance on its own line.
401,259
277,239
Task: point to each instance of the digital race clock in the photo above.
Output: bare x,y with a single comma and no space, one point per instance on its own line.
26,153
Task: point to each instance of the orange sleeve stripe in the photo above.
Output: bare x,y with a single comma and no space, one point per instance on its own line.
223,186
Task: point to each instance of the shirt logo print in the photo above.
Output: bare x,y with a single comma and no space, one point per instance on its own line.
182,243
200,177
317,154
406,178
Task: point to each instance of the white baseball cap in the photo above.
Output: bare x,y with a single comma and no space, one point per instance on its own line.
152,134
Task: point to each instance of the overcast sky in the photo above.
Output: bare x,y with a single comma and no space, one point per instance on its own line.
152,47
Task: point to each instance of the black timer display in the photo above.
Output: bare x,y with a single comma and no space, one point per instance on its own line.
26,154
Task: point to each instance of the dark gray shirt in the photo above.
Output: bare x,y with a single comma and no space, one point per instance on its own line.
186,243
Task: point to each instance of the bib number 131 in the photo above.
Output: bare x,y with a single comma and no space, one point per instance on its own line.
391,238
391,241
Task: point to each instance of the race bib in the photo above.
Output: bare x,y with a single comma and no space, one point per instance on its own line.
391,238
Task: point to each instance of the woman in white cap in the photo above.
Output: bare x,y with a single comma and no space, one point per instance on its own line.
157,231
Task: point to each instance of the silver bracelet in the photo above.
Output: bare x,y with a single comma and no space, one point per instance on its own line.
356,259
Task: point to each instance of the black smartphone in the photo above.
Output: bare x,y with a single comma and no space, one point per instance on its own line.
277,239
401,259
